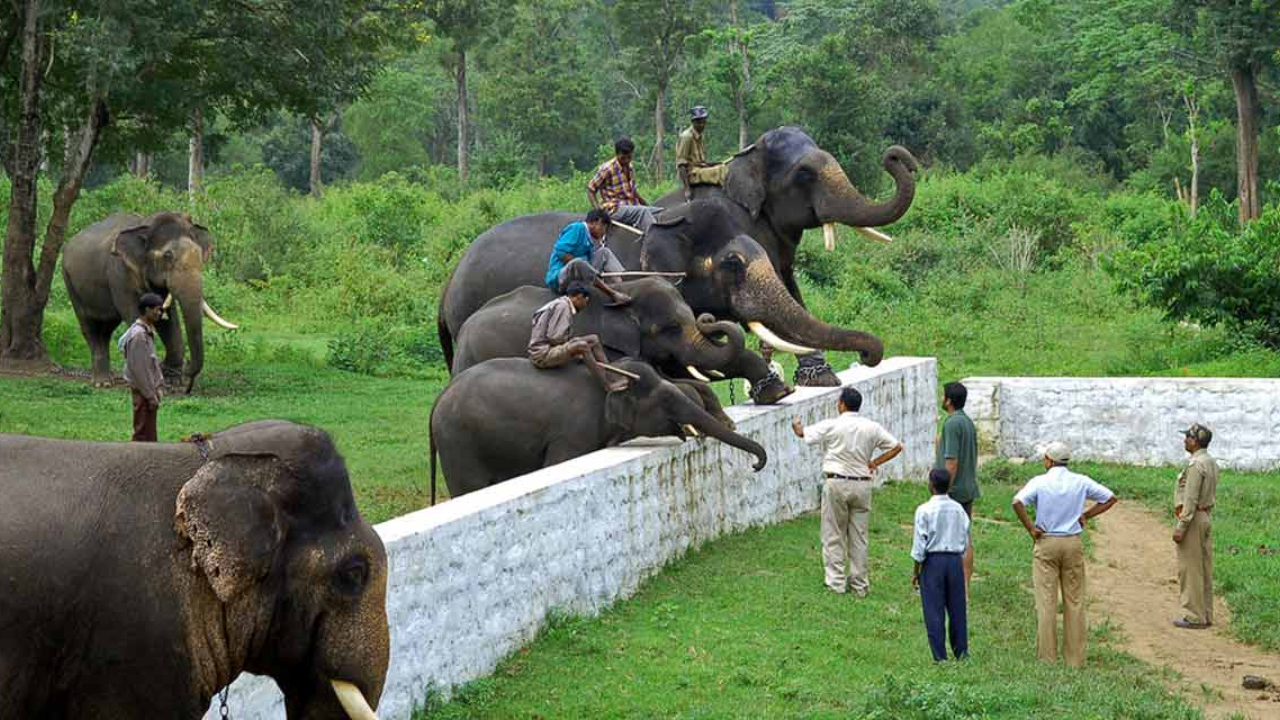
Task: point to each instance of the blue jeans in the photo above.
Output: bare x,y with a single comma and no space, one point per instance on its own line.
942,596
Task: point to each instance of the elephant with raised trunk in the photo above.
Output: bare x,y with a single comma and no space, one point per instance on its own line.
108,266
504,418
140,578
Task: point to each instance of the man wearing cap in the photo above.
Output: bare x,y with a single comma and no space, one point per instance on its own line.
691,156
1193,500
613,189
1058,566
142,367
551,343
850,443
580,255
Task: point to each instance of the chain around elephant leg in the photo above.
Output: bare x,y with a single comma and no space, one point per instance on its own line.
814,371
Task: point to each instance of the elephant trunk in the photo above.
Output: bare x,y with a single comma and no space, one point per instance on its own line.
190,296
768,303
708,354
842,203
706,424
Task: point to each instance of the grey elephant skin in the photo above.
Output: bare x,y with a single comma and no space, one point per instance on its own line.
504,418
139,579
163,254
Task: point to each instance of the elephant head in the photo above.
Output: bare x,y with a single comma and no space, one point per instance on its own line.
730,275
295,579
660,327
652,406
798,185
166,255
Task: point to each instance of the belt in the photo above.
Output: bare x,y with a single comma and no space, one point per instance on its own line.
838,476
939,552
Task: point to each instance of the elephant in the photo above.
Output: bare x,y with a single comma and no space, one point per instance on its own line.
141,578
108,266
504,418
728,274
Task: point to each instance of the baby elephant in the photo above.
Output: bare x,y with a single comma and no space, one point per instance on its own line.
504,418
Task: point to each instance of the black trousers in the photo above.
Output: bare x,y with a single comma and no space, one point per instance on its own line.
942,596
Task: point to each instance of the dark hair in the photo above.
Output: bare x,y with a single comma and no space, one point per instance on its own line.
939,481
577,288
851,398
598,215
956,393
624,146
149,300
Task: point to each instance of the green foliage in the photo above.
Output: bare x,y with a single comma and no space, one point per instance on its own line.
406,119
287,150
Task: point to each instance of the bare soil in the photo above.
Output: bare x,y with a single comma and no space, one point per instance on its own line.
1133,582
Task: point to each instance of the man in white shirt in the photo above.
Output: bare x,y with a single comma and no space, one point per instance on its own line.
940,538
849,442
1059,496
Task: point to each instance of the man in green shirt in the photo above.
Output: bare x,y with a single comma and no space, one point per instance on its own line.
958,455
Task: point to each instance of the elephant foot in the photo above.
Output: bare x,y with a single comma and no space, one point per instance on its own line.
815,371
770,389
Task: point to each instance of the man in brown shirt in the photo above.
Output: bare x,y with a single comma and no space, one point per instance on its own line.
142,367
551,343
1193,500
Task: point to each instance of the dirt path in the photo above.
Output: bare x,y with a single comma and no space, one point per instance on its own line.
1133,580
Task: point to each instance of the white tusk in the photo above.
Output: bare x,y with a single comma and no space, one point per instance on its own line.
829,235
776,342
691,431
353,701
696,375
872,234
717,374
217,320
168,300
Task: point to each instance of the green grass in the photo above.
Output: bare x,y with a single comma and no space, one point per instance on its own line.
744,629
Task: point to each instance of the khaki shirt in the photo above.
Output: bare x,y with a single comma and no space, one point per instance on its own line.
552,323
850,443
1197,487
691,149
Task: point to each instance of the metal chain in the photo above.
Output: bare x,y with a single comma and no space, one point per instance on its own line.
223,710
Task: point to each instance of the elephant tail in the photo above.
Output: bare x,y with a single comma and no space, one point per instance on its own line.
446,342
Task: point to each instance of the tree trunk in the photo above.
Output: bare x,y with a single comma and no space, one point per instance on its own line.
463,149
1193,134
317,135
659,111
195,156
20,341
743,88
1243,79
142,165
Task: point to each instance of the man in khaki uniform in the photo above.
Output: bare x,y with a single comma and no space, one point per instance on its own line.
691,156
850,443
1193,500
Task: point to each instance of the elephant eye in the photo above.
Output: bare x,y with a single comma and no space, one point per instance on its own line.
733,262
352,575
806,176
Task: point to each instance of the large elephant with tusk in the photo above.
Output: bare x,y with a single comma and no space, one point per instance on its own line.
140,579
108,266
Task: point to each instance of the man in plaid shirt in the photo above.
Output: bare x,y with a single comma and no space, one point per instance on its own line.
613,189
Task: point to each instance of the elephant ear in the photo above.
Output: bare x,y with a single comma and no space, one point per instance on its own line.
232,526
745,182
132,244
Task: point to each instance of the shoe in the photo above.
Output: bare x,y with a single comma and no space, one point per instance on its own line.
1188,625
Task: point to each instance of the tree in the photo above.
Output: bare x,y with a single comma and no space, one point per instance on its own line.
405,119
129,73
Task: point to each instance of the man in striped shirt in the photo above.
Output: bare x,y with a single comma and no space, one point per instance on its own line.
613,189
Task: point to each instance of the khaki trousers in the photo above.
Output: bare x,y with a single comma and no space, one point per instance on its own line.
1058,567
846,510
1195,569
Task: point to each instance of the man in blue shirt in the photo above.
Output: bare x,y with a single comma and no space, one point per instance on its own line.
580,256
941,535
1058,566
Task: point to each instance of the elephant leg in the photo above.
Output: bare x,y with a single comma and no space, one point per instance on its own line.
812,370
560,450
98,334
170,332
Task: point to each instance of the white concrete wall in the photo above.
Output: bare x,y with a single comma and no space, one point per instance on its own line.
473,579
1134,421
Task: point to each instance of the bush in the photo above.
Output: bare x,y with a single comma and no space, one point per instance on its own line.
257,225
385,350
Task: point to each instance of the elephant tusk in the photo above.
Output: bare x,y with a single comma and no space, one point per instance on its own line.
353,701
217,320
717,374
829,235
168,301
776,342
691,431
693,371
872,234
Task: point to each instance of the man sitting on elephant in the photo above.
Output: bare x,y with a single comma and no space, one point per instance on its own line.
580,255
613,189
691,156
550,344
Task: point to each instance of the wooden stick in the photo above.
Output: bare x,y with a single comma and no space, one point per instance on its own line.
620,371
627,227
642,273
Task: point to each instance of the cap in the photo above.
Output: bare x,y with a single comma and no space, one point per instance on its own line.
577,288
1058,451
150,300
1200,433
698,113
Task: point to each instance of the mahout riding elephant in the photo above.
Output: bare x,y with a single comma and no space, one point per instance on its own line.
504,418
139,578
108,266
728,274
